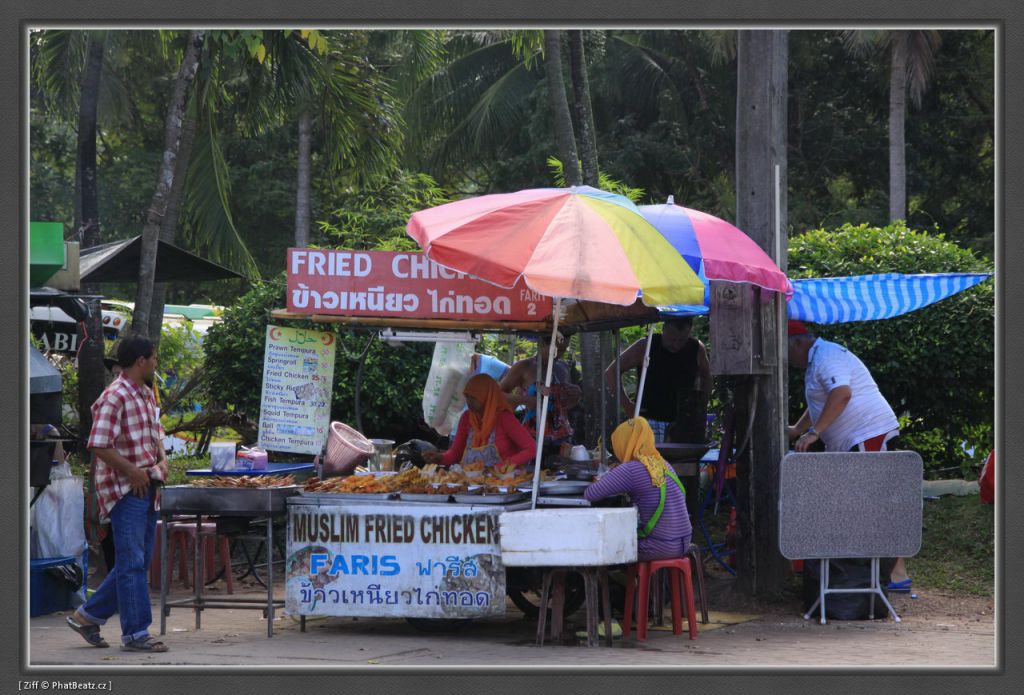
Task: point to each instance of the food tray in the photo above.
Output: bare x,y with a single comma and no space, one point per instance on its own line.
464,498
440,498
561,487
354,495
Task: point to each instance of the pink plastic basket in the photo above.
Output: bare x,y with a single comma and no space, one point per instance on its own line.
346,449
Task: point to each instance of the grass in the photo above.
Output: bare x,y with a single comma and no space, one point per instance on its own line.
175,475
957,547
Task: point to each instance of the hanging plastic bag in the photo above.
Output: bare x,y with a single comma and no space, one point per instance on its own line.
442,394
57,518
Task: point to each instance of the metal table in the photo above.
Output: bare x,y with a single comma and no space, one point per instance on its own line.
248,503
272,469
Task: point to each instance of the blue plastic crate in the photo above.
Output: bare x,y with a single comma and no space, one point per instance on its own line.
48,593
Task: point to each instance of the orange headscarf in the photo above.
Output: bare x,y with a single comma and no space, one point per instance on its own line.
486,390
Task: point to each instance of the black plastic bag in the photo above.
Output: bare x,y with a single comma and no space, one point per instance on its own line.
845,573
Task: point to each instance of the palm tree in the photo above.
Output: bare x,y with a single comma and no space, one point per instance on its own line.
323,81
584,112
565,140
911,60
165,180
466,111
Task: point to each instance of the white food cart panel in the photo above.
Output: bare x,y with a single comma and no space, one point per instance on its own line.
393,560
563,537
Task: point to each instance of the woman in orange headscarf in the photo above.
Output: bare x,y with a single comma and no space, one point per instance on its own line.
488,431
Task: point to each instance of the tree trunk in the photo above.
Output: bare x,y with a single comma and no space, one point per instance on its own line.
590,342
584,113
87,228
165,180
565,141
761,89
897,117
302,186
169,224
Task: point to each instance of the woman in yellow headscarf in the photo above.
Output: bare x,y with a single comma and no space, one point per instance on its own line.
652,485
488,431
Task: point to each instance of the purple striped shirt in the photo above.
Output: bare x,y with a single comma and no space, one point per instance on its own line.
671,536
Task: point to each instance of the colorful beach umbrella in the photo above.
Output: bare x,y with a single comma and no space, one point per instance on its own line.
715,249
577,242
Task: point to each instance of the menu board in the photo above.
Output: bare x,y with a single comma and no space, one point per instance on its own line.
298,373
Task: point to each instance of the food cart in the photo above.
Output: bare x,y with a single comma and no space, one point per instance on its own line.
376,554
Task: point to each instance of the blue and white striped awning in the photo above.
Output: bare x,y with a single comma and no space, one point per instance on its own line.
873,297
863,297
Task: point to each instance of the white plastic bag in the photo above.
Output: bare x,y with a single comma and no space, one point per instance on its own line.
442,394
58,520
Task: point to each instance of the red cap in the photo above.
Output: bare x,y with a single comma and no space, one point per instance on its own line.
797,328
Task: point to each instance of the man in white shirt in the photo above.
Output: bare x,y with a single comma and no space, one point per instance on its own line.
845,409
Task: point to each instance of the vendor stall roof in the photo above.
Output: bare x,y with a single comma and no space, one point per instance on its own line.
577,316
119,262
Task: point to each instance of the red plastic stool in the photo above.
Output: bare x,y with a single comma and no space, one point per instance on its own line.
643,571
179,536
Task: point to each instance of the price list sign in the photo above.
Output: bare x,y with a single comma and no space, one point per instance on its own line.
298,373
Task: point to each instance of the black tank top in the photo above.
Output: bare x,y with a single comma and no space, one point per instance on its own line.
668,374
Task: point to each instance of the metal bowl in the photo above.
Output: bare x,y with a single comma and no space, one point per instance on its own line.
684,452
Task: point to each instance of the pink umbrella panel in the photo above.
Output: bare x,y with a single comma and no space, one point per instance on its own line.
715,249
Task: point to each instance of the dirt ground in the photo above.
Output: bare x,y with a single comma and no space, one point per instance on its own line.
936,630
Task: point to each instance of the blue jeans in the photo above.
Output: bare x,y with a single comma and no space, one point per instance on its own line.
125,590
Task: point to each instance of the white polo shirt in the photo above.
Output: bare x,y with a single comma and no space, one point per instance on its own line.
867,414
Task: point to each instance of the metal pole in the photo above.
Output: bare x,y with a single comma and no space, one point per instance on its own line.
618,375
270,576
643,370
541,421
604,400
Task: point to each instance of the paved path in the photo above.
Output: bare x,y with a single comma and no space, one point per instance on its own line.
237,638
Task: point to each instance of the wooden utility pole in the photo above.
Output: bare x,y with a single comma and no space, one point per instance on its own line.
761,68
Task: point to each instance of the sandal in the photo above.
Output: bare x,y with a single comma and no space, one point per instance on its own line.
144,644
90,633
902,587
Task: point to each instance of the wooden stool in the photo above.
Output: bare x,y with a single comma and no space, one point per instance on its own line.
179,536
595,581
643,571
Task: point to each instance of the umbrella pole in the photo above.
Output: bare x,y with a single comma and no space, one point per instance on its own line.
543,412
643,371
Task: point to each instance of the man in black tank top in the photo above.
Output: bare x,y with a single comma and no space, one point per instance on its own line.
678,383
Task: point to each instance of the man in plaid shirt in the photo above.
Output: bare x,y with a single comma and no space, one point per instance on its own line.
127,440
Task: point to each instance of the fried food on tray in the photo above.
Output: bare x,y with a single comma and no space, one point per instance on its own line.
474,466
245,481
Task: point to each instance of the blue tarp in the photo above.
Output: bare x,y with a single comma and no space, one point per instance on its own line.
864,297
873,297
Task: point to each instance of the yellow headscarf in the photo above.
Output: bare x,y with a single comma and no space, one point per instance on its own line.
633,440
486,390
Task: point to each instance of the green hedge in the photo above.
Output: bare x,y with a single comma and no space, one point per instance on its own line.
935,365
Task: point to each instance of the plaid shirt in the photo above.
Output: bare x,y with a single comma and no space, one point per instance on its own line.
124,418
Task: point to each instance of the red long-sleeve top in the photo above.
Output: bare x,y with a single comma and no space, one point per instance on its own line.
514,443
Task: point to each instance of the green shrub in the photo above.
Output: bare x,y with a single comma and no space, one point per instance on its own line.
393,378
935,366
